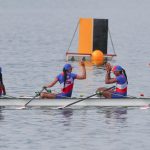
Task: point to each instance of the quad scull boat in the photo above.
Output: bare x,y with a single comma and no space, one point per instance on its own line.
102,102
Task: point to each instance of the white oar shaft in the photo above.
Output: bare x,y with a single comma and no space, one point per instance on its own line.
79,100
33,97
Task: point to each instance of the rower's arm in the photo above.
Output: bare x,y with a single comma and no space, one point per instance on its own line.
4,91
1,79
83,75
52,83
2,85
108,79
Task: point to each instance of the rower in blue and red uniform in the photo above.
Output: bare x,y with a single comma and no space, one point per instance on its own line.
66,79
120,79
2,87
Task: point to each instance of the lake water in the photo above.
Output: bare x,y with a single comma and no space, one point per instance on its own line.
34,36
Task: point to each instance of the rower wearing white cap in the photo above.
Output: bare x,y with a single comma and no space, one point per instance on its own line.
66,79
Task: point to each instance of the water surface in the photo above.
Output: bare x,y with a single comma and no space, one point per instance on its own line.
34,36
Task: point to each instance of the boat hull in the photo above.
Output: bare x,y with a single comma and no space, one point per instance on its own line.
88,102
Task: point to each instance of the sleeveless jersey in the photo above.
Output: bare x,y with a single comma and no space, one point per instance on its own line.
121,85
67,90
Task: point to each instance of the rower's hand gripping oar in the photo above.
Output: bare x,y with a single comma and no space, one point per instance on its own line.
83,99
37,94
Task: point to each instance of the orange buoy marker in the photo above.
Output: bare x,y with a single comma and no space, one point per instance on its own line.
98,57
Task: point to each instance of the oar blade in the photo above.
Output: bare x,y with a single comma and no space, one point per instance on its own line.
20,108
61,108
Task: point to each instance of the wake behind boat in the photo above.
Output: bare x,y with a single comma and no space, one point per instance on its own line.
100,102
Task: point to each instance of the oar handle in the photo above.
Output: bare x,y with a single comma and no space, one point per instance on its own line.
100,93
47,90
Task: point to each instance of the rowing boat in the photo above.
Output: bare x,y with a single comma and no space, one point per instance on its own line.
102,102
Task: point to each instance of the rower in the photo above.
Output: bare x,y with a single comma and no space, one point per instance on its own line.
120,79
66,79
2,87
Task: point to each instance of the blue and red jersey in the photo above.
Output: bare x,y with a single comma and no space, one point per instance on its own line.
1,82
1,91
121,87
67,90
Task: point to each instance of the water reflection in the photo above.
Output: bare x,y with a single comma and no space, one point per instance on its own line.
67,117
117,114
1,115
67,113
63,117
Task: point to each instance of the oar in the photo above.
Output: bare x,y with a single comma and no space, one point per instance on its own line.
37,94
83,99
